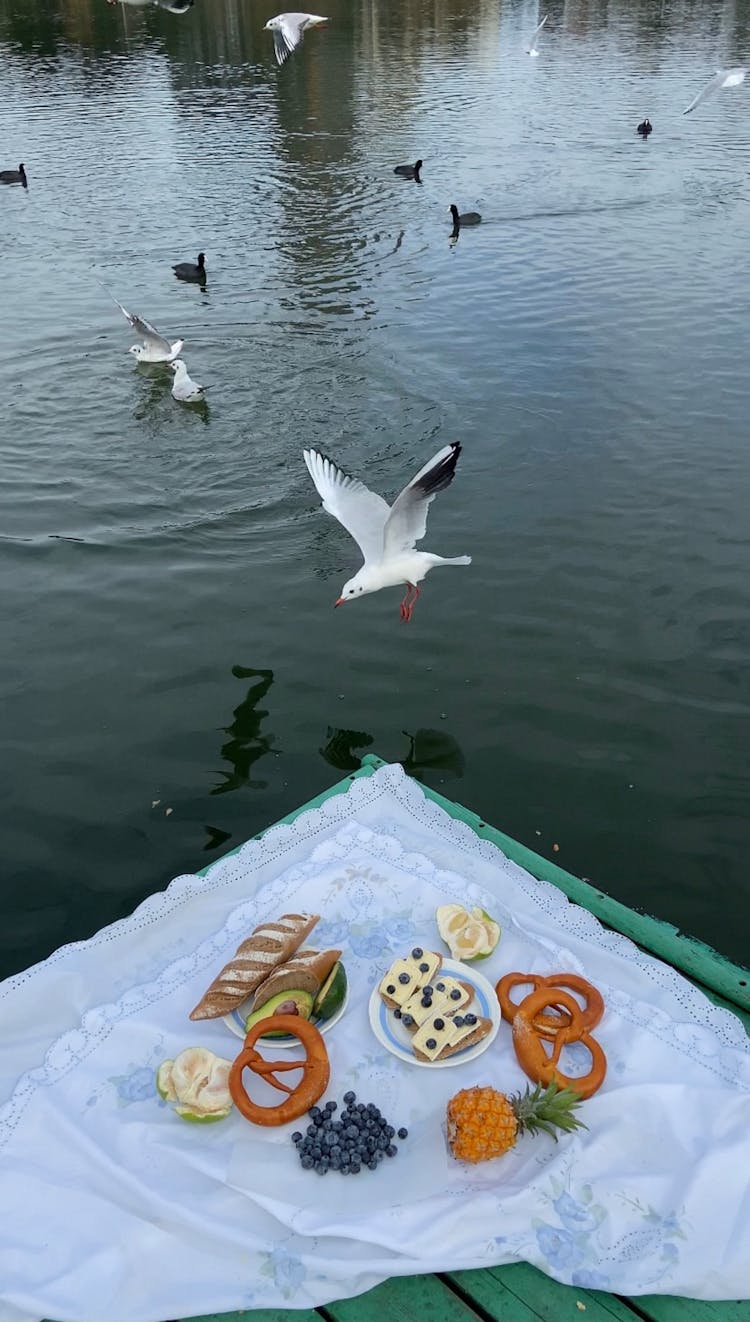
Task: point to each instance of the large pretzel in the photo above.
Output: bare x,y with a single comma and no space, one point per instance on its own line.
548,1024
534,1060
312,1085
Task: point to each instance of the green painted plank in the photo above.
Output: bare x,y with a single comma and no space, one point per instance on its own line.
554,1302
261,1315
489,1294
693,957
404,1299
668,1308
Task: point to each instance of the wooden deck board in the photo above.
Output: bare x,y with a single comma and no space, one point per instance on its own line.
667,1308
405,1299
487,1291
554,1302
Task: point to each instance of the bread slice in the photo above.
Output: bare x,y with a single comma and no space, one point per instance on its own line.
267,946
458,1040
305,971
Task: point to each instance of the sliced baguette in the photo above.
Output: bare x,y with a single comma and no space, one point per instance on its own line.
478,1032
306,971
269,945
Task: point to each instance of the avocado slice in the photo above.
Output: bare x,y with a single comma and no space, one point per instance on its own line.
331,995
302,1000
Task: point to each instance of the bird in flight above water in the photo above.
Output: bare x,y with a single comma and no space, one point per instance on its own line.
386,535
722,78
533,46
155,348
288,31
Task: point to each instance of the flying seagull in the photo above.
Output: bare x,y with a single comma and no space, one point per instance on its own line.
722,78
385,535
288,31
155,348
184,388
533,46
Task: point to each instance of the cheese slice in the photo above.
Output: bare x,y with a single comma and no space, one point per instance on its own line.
450,1034
415,978
443,1004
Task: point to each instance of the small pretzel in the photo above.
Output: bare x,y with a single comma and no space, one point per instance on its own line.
548,1024
532,1056
315,1067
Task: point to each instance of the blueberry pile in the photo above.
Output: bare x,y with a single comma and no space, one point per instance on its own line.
357,1141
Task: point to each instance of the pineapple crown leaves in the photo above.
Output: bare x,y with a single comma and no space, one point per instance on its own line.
547,1109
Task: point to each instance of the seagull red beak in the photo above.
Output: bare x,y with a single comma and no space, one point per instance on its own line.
340,602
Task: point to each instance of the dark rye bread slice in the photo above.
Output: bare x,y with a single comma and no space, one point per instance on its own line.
481,1030
448,1013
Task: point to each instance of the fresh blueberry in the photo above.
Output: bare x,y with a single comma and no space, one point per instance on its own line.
407,1020
307,1163
296,1136
417,952
456,994
438,1023
404,978
311,1131
350,1097
354,1167
351,1131
426,1002
470,1019
391,1150
389,1131
372,1165
361,1108
397,1014
430,1043
314,1113
458,1020
403,1133
390,990
440,986
424,968
331,1107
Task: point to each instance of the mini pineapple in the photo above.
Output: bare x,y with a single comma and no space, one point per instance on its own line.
483,1123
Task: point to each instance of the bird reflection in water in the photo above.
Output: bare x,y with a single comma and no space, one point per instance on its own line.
246,744
429,751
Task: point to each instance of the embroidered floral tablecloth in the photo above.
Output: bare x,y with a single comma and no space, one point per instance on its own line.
121,1211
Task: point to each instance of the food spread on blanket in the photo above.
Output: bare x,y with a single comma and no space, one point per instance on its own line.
468,933
197,1082
291,985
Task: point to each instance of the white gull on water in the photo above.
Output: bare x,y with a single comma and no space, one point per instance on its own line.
184,388
386,535
155,348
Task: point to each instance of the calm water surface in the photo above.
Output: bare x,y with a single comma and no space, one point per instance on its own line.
167,575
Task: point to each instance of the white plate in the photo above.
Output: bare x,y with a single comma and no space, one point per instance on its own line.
395,1038
236,1023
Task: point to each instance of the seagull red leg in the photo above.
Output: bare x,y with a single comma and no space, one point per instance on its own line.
409,602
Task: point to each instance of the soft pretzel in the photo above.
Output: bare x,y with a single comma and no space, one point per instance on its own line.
312,1085
548,1024
541,1066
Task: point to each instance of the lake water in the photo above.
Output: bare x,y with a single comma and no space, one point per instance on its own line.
167,574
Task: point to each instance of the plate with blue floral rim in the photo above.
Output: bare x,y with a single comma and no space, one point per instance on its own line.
395,1038
235,1022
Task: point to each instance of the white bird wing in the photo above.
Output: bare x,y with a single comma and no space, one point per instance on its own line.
407,521
152,338
287,38
535,35
718,81
362,512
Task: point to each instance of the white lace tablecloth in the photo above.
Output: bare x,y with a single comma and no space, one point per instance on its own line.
114,1209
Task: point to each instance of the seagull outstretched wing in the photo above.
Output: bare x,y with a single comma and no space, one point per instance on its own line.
407,521
362,512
